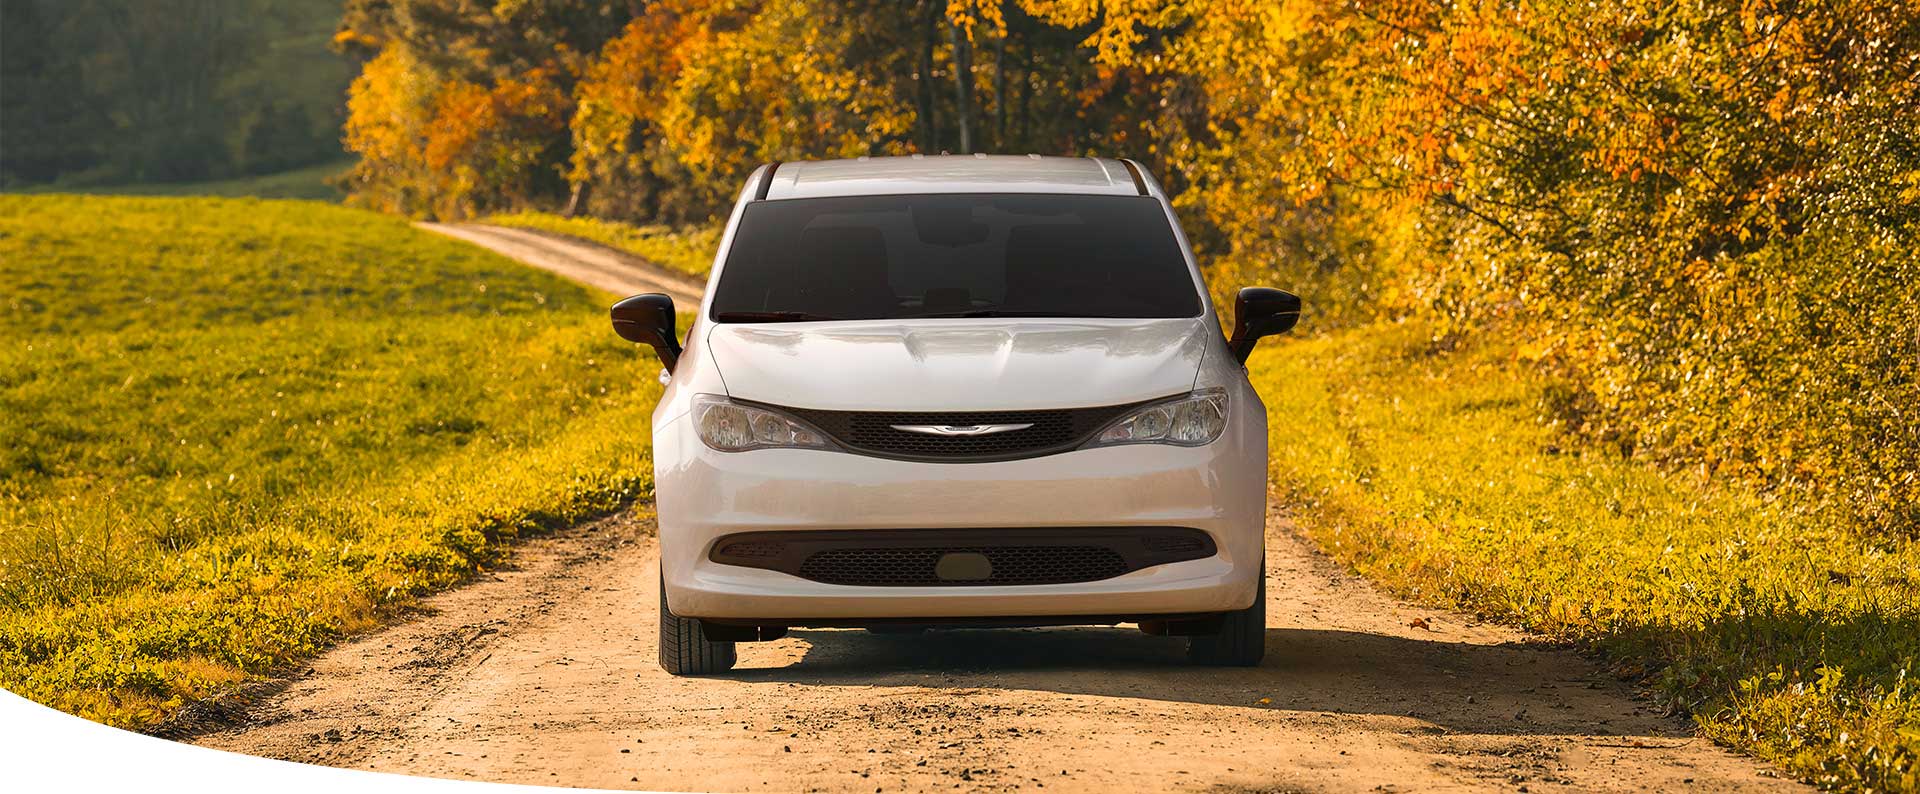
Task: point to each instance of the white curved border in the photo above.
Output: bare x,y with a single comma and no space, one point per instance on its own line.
43,750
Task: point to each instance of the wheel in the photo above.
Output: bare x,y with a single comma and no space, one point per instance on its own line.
1242,640
684,650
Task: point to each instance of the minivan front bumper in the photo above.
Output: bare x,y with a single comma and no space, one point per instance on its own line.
704,496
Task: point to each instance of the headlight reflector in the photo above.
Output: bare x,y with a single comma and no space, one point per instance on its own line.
731,427
1189,421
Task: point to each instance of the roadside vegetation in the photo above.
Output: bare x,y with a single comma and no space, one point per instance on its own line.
688,249
1783,629
238,429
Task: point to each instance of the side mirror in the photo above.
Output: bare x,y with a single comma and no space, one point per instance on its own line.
649,320
1258,312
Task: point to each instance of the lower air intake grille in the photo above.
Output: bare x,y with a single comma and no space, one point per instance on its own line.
963,557
1009,565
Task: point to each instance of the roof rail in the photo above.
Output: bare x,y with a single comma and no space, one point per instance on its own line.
760,193
1139,183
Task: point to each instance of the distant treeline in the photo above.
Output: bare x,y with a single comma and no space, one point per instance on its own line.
120,91
654,111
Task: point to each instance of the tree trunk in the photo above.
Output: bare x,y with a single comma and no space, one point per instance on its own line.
1026,97
1000,93
929,121
577,202
963,85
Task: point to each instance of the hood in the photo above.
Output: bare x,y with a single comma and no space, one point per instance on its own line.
974,364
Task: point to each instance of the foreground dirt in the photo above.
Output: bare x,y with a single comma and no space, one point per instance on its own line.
545,674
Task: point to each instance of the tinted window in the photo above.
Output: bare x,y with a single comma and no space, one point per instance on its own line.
889,257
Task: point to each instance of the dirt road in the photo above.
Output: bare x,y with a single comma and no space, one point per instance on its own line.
595,265
545,674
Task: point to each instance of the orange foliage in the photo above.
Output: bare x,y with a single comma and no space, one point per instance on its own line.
448,147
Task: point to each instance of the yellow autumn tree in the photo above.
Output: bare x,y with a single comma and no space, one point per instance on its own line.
390,113
775,88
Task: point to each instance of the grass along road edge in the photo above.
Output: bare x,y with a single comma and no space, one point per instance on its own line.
1780,631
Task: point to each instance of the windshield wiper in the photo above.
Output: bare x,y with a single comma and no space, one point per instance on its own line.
769,317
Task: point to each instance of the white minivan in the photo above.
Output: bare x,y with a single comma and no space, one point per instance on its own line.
957,391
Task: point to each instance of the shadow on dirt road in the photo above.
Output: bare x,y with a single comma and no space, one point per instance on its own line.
1504,688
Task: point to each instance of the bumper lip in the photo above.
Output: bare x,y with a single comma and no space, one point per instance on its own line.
974,622
722,592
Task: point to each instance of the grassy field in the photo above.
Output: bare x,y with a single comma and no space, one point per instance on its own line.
1783,634
238,429
689,250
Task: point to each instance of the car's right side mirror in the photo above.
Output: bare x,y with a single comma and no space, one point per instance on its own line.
1258,312
649,320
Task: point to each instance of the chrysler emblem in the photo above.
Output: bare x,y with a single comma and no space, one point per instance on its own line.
961,430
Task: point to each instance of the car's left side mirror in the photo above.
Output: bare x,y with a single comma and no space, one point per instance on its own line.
649,320
1260,312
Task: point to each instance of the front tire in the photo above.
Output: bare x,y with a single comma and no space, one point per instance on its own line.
684,650
1242,640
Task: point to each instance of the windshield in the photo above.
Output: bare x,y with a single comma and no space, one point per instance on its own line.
899,257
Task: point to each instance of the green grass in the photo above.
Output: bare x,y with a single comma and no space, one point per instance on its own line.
688,250
1782,632
239,429
303,183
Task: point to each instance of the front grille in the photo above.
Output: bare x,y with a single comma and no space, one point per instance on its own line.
1050,431
913,557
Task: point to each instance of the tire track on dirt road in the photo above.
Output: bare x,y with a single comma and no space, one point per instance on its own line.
544,673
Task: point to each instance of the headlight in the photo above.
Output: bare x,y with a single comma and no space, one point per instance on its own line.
1189,421
731,427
